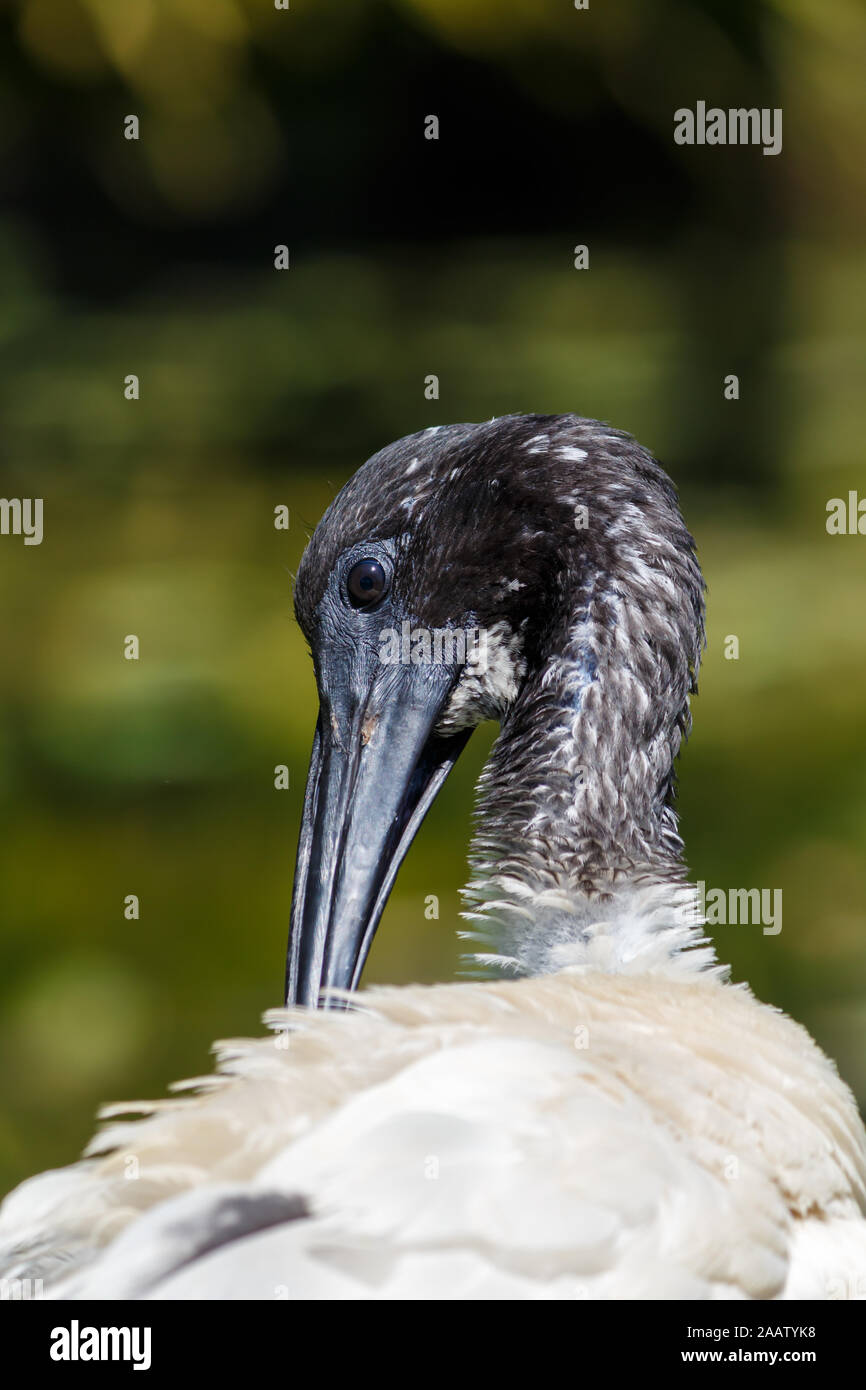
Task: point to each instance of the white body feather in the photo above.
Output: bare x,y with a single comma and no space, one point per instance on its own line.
576,1135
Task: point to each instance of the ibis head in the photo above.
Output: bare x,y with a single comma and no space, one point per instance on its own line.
474,572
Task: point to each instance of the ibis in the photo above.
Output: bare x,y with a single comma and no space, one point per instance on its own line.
604,1115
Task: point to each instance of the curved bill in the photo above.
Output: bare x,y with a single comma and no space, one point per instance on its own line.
375,770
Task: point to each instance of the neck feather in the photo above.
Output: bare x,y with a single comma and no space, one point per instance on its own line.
577,860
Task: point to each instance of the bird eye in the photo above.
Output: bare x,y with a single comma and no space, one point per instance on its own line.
366,582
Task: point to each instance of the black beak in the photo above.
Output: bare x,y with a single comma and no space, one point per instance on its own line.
375,770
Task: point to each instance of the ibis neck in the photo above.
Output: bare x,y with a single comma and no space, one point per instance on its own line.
577,860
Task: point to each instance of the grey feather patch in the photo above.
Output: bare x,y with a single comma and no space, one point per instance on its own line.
233,1218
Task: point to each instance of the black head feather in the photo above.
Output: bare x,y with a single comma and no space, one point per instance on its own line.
563,539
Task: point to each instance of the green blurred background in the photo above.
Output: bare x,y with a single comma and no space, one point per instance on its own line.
259,388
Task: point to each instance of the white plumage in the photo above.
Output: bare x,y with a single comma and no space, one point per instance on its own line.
578,1135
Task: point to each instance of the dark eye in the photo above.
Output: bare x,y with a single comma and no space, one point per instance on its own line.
366,582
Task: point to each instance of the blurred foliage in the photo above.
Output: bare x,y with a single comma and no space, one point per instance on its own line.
156,777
